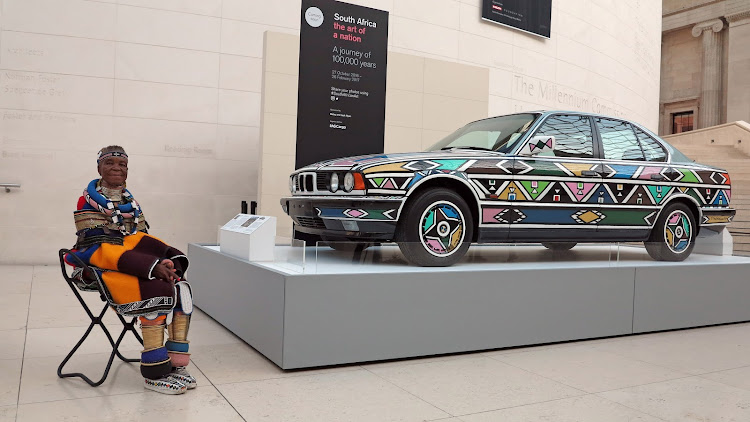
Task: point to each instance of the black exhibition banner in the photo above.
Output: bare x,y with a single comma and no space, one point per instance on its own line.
532,16
341,99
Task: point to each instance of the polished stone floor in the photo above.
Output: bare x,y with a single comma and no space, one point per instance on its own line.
690,375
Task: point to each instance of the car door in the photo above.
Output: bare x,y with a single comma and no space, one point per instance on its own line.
634,175
555,195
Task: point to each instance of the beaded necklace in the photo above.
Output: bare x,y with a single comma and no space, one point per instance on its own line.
118,213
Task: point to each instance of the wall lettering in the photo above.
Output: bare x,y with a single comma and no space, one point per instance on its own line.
26,155
189,151
37,84
550,94
38,117
19,51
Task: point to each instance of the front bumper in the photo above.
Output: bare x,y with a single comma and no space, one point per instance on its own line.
367,218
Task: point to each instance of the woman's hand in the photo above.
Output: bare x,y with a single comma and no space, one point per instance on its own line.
165,270
168,263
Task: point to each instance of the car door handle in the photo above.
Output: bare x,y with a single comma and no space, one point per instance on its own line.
590,173
657,177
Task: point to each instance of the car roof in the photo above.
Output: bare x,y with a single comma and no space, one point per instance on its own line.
550,112
544,113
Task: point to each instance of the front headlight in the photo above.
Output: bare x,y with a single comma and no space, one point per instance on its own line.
291,184
334,185
348,182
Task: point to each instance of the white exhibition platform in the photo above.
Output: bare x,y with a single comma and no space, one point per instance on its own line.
315,306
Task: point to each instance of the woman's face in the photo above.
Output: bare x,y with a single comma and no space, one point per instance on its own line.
114,171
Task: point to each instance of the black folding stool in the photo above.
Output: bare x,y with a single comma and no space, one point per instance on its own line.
84,278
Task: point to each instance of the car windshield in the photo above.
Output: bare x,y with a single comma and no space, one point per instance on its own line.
499,134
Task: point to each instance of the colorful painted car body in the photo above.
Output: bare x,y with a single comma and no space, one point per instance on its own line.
597,179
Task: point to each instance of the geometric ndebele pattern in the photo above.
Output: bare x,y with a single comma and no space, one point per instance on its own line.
594,192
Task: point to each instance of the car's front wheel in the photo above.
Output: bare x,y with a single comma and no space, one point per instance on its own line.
435,228
673,235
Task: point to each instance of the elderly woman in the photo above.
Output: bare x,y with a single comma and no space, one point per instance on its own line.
143,276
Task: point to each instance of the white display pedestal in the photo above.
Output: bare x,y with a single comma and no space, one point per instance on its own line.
249,237
339,310
710,242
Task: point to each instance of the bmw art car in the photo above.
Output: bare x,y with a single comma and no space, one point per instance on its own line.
554,177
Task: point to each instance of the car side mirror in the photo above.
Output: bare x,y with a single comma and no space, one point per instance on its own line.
538,144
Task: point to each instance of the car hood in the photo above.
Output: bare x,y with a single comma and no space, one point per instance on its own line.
363,161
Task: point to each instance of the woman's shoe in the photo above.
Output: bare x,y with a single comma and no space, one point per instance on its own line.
165,385
180,374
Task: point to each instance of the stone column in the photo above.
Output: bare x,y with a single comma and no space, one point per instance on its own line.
738,72
710,106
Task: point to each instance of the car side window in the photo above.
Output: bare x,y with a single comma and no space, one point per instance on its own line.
573,137
652,149
618,140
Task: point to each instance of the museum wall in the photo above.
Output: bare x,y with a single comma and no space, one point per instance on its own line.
681,75
681,66
172,81
178,83
576,69
738,97
421,109
697,63
674,6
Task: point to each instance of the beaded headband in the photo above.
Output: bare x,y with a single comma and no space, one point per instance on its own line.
105,155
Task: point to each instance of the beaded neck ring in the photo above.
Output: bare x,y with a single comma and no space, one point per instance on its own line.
128,209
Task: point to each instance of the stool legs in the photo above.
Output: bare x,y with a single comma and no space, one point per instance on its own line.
127,326
95,320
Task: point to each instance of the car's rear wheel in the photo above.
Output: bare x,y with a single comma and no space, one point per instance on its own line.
435,229
673,235
559,246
